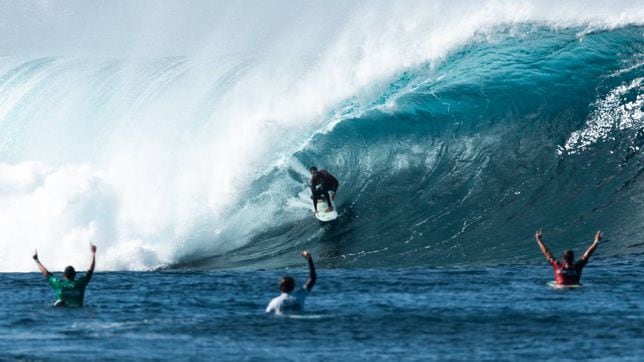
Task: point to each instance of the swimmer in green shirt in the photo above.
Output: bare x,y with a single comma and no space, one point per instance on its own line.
70,291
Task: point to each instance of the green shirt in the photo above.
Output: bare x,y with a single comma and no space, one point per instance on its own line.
71,292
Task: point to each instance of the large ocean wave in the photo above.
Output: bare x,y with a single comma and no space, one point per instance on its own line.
455,130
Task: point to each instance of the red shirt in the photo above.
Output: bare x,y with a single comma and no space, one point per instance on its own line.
567,274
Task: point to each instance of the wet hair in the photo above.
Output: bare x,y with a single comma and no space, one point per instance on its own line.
69,273
313,168
287,284
568,256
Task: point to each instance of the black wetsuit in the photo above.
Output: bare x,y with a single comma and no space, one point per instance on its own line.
327,183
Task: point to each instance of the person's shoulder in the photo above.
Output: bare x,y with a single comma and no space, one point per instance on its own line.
278,299
553,262
274,304
328,174
83,280
582,262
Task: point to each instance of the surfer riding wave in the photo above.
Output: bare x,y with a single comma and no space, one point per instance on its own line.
326,182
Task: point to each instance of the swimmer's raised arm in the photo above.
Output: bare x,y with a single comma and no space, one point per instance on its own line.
312,275
542,245
90,271
591,249
41,267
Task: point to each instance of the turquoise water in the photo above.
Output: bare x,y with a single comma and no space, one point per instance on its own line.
505,312
201,162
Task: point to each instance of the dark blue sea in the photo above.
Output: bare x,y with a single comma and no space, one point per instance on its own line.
177,138
496,313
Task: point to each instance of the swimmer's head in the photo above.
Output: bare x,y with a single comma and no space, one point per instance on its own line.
313,169
287,284
568,256
69,273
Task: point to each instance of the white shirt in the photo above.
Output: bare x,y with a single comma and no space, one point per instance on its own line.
288,302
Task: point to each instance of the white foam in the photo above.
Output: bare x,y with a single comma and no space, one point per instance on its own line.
612,114
59,211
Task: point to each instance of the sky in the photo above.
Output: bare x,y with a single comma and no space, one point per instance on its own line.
136,28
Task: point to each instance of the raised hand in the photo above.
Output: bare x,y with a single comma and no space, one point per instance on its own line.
598,236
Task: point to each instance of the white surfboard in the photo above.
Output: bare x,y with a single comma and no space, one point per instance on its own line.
554,284
326,216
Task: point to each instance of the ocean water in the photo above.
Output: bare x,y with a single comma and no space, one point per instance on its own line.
177,137
505,312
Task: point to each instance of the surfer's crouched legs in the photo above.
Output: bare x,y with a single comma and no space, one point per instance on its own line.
325,192
321,192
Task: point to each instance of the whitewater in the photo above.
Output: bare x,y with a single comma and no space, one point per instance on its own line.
456,129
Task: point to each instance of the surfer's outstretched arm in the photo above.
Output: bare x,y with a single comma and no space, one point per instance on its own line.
591,249
312,276
41,267
542,246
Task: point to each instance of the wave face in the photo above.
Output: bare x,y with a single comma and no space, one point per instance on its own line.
454,137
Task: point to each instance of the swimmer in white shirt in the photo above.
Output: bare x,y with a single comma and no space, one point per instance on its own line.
292,300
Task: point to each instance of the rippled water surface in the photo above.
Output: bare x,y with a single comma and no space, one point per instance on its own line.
486,313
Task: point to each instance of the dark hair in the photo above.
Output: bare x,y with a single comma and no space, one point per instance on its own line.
313,168
69,273
287,284
568,256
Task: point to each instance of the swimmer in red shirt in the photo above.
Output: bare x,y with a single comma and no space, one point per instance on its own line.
568,272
